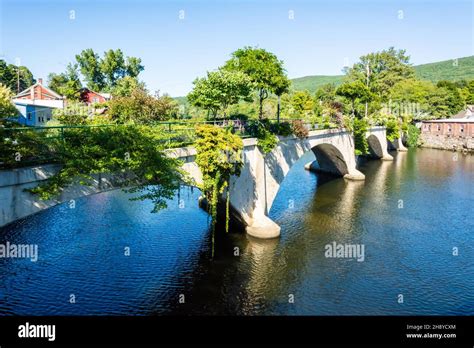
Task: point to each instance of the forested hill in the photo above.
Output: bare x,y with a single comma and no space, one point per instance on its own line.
452,70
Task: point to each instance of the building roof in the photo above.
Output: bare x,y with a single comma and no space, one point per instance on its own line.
106,95
27,91
467,113
103,95
46,103
464,116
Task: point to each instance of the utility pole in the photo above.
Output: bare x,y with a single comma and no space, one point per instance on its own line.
18,80
367,69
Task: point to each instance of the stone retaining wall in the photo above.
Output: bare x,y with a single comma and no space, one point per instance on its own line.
447,142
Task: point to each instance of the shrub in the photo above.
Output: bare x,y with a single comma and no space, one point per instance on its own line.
299,129
360,127
260,129
413,136
7,109
142,108
283,128
393,128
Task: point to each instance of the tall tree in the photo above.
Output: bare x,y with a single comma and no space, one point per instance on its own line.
126,85
454,100
66,83
113,66
355,91
90,66
133,66
302,103
103,74
282,85
219,90
380,71
263,68
16,78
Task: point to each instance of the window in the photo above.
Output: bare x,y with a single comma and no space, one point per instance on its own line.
449,128
95,100
461,128
439,128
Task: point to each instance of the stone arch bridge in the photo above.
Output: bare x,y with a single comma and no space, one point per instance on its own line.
252,193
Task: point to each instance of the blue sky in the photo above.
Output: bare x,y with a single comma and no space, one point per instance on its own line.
322,37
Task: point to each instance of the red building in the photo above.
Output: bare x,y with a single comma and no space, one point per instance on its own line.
38,92
90,97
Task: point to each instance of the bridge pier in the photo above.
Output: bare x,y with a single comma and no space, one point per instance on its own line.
397,144
378,144
353,173
263,227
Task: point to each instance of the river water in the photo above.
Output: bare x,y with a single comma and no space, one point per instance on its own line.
111,256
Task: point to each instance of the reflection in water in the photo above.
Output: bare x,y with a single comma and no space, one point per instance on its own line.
409,214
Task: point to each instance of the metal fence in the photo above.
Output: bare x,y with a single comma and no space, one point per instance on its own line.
44,143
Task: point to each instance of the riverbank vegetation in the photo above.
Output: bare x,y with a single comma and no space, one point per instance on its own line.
219,156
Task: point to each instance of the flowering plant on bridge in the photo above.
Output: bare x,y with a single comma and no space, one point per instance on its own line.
219,156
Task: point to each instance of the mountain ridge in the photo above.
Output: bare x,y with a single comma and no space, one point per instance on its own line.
451,70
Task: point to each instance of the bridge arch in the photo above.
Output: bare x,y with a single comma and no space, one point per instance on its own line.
375,148
378,144
254,191
329,159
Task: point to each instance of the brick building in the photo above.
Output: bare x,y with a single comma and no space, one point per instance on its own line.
456,132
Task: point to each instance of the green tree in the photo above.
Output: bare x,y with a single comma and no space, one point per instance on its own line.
16,78
112,66
102,74
142,108
326,93
67,83
219,90
282,85
126,85
411,98
380,71
7,109
302,103
90,65
133,66
264,69
454,100
470,94
355,91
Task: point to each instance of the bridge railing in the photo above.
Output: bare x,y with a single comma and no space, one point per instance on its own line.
25,146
